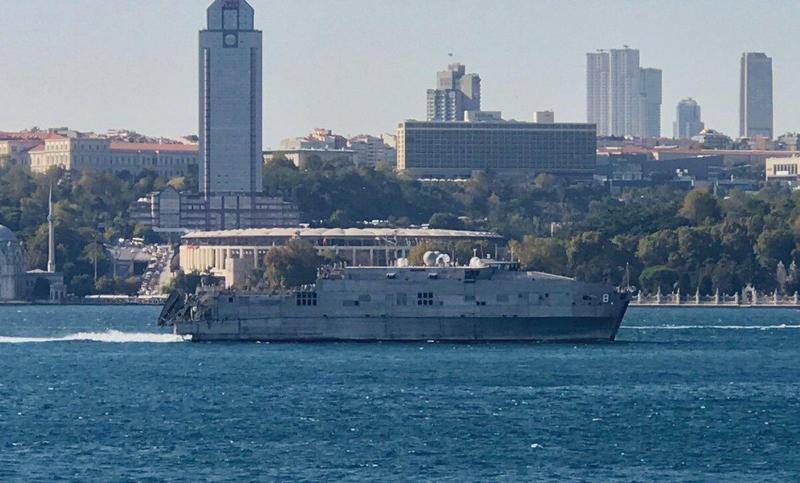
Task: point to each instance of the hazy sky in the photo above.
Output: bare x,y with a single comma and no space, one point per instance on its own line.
360,66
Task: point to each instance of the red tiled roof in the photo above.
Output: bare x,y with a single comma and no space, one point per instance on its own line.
29,135
171,148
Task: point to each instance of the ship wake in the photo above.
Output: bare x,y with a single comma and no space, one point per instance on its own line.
714,327
113,336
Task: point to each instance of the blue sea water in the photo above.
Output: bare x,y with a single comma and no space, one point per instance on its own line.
99,393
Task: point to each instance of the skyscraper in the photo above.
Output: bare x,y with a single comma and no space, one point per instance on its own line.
230,101
597,91
688,122
622,98
650,103
755,95
456,92
230,157
624,89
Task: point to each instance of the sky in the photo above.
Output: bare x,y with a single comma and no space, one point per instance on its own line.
361,66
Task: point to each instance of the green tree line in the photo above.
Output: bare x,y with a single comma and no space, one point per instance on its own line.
666,236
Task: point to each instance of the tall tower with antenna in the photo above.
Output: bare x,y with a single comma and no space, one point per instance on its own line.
51,247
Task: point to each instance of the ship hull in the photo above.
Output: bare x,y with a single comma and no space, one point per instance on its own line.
367,329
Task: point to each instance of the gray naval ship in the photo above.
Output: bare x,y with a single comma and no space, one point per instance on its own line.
485,301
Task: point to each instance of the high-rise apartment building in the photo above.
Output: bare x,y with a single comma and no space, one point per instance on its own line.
650,103
622,98
624,87
456,92
597,91
688,122
755,95
230,101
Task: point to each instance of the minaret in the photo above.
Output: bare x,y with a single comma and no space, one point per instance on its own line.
51,247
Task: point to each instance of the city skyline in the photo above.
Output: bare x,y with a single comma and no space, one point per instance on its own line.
123,86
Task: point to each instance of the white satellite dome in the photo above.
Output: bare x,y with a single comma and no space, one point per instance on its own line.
476,262
429,258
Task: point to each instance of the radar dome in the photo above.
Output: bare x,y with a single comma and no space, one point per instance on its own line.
429,259
476,262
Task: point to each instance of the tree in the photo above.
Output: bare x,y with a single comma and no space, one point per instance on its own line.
700,206
544,181
593,257
773,246
447,221
543,254
291,265
342,219
658,277
95,251
656,248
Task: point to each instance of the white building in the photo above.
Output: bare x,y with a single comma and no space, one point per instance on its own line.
783,169
544,117
216,251
370,150
230,101
622,98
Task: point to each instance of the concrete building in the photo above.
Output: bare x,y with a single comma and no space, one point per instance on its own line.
483,116
544,117
456,92
624,89
371,150
622,98
15,147
230,101
172,212
711,139
688,121
74,151
218,251
303,158
457,149
597,91
755,95
789,141
231,161
784,169
650,103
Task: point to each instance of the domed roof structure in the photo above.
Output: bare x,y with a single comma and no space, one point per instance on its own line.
6,235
